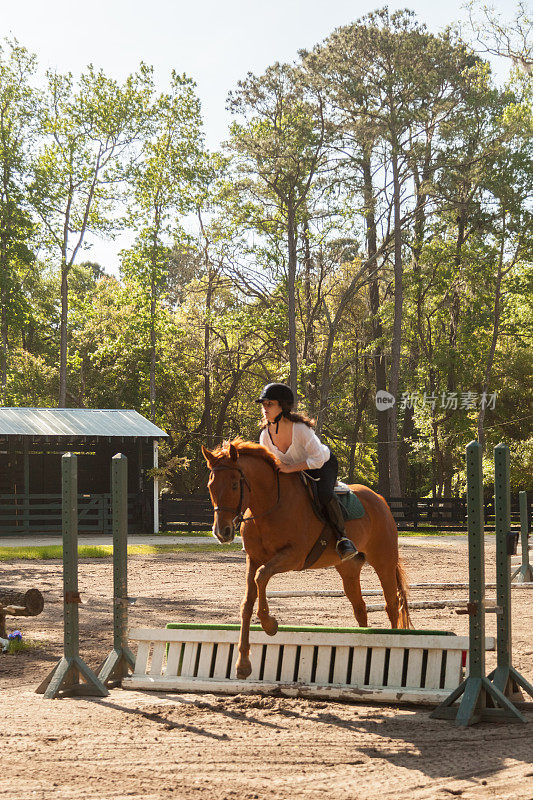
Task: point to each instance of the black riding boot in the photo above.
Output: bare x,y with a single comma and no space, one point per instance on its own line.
344,547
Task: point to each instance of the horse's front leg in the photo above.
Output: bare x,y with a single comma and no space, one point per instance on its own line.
243,665
281,562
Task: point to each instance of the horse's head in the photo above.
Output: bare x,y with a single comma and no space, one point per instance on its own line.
227,486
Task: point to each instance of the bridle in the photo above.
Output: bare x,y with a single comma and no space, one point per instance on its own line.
243,481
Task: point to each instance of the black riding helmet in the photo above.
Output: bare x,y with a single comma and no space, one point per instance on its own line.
283,394
277,391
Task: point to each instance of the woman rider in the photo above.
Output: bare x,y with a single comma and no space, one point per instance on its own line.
291,438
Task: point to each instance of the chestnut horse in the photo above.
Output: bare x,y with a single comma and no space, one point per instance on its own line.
279,528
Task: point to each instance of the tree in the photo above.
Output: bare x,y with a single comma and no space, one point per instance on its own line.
279,151
165,183
17,133
512,40
390,84
89,131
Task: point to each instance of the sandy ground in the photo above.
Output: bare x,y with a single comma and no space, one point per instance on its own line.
151,745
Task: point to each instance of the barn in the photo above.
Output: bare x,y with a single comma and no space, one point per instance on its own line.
32,441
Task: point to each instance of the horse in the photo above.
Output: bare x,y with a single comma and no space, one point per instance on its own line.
279,528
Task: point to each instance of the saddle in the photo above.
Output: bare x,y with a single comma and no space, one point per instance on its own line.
351,506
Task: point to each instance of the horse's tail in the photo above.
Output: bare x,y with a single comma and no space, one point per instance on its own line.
404,619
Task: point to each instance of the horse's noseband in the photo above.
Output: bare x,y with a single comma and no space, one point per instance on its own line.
238,519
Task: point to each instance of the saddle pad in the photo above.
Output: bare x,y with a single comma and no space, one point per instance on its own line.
341,488
351,506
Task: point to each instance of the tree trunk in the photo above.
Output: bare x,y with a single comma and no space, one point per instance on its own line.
394,378
19,604
63,338
408,430
380,372
206,423
360,403
309,355
493,343
421,179
291,288
4,335
153,346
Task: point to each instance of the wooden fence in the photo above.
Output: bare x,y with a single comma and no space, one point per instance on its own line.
410,513
41,513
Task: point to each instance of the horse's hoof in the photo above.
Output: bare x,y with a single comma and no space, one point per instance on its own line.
270,627
244,671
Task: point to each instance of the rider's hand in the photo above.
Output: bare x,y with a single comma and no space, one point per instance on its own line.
286,468
292,467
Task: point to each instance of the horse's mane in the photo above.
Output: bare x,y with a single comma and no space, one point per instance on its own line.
245,448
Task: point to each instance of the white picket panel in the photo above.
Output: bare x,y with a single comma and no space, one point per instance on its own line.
157,658
271,663
376,662
357,677
396,666
433,669
288,664
173,658
305,664
206,657
323,664
377,666
221,663
340,669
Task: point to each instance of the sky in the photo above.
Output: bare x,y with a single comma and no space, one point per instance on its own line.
215,42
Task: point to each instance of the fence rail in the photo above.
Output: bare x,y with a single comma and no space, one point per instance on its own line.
41,513
410,513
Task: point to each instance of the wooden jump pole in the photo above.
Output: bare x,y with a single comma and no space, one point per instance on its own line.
65,677
505,677
524,573
482,700
120,660
379,592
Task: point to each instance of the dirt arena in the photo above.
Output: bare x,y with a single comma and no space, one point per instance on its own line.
141,745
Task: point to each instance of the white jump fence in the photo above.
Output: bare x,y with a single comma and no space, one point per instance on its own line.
338,663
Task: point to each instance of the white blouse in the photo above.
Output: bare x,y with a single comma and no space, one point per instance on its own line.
305,446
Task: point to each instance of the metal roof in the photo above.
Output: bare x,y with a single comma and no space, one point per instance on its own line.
50,422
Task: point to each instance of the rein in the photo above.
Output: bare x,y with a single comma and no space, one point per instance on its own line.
239,518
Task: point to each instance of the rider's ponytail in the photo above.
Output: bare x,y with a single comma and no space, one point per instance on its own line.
294,417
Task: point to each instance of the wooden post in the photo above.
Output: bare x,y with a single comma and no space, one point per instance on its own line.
121,659
26,506
524,573
156,487
481,700
65,677
505,677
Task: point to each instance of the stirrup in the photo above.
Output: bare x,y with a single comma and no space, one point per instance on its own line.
346,548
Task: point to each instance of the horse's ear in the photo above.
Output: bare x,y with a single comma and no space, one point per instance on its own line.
209,457
233,452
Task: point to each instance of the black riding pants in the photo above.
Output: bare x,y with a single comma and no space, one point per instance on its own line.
327,475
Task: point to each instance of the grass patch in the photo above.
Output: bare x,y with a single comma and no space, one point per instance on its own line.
432,532
203,534
51,552
209,547
21,645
